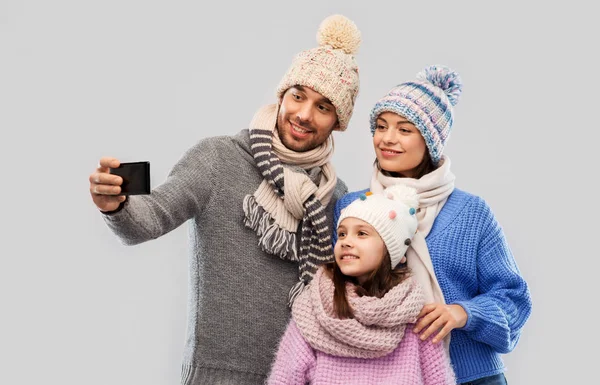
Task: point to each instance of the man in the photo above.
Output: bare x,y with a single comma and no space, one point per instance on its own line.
260,206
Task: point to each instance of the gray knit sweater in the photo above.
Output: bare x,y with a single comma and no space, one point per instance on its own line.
238,293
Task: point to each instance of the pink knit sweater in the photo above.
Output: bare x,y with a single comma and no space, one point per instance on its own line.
319,349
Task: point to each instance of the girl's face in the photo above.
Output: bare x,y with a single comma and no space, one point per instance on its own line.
359,250
399,145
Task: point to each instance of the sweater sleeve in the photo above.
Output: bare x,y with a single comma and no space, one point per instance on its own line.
185,192
295,360
497,314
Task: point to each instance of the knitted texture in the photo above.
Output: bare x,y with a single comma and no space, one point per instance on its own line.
329,69
433,190
475,269
288,196
378,323
411,360
392,214
426,102
237,300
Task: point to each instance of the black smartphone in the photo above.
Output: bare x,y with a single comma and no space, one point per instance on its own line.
136,177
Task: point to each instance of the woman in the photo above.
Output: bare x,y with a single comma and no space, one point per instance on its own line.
475,291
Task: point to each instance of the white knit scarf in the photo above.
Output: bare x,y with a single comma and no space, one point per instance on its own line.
288,196
433,190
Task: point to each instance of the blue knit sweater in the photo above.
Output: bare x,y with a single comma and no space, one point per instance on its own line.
475,269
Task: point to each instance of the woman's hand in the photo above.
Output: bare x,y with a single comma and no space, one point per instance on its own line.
437,317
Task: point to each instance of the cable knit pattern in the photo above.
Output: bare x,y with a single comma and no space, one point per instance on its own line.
375,331
475,269
312,352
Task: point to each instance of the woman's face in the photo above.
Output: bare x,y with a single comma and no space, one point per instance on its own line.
399,145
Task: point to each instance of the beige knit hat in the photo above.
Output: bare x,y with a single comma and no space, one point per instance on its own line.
329,69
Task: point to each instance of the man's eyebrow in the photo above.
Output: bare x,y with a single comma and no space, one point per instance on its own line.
326,101
322,100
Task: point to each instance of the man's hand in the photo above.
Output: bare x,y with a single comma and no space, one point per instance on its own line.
105,187
437,317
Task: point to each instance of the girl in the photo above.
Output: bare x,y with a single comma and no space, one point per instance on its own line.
473,286
354,323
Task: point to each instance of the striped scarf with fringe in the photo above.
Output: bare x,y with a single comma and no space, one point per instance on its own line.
288,196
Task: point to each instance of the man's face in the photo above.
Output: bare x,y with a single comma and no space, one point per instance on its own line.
306,119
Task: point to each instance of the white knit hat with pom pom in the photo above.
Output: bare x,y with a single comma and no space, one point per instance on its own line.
329,69
392,213
428,103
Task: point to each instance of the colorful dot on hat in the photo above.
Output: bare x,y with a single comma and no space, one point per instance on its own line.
407,241
368,193
362,197
392,214
412,211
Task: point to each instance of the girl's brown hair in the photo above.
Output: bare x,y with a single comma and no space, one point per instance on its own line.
379,282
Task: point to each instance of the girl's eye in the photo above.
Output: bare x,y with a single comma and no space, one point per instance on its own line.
362,233
324,108
380,127
295,96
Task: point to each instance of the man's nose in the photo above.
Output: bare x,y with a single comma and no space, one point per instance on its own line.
305,112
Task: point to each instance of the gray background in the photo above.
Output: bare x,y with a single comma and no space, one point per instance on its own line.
144,80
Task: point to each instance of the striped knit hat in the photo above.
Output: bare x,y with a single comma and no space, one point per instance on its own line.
329,69
392,215
427,103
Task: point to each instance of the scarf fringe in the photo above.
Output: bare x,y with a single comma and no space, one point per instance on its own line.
295,291
271,238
